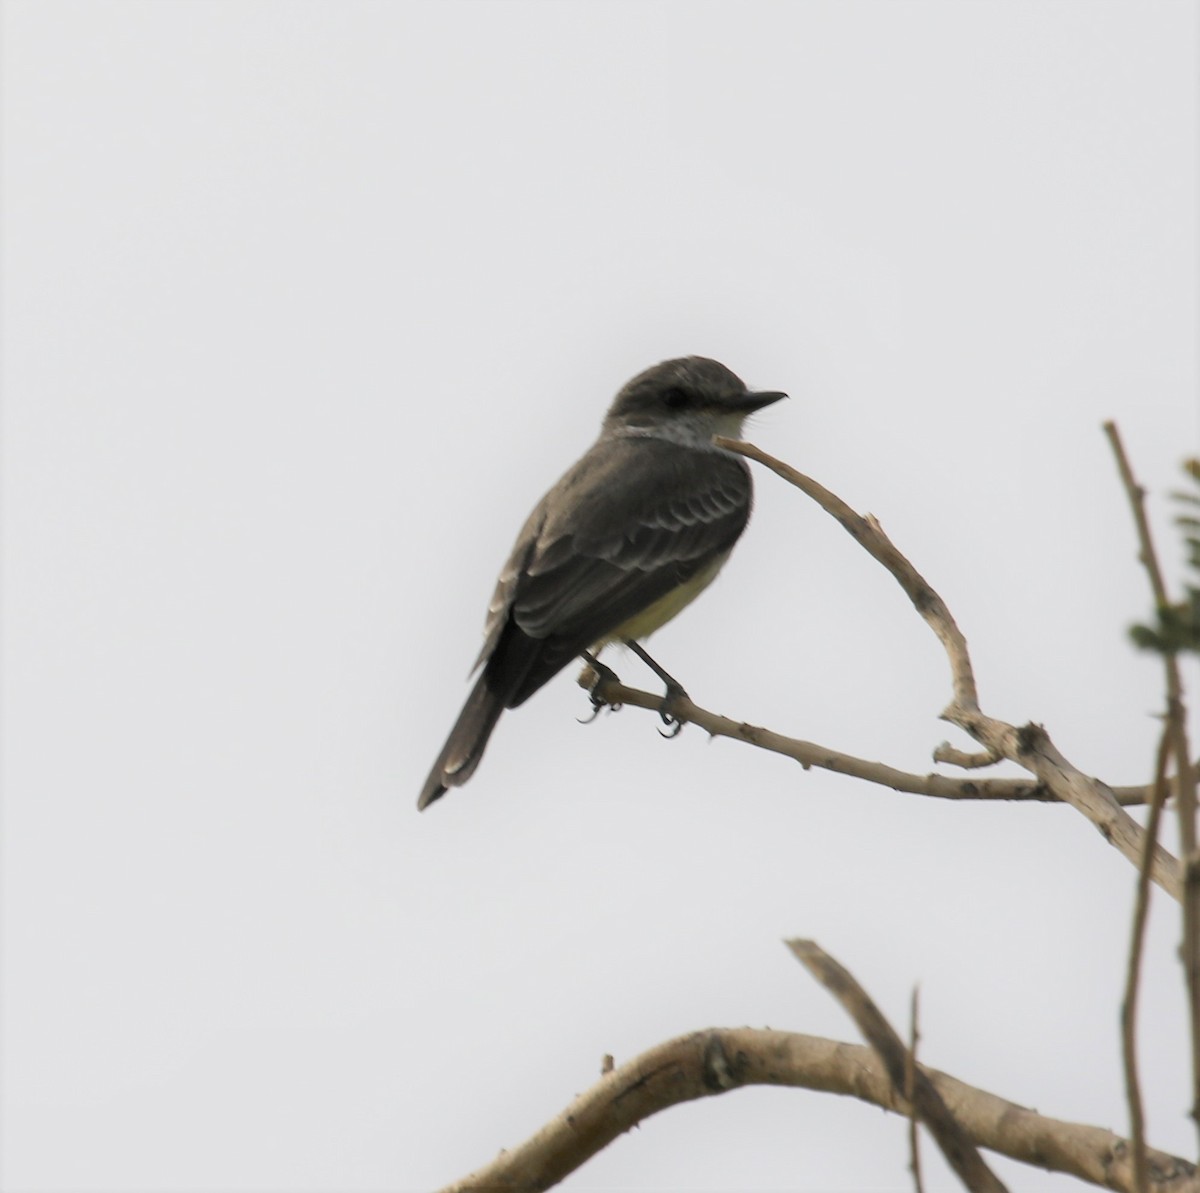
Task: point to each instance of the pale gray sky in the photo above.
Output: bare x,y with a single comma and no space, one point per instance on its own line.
305,304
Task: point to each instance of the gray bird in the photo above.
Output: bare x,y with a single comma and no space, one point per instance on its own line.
631,534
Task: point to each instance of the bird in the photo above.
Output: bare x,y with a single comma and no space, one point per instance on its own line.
633,532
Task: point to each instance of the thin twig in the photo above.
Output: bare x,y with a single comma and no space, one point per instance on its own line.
1133,1093
1185,791
961,1153
910,1077
964,760
1185,797
1147,556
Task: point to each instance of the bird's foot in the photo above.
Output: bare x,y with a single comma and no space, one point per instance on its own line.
603,674
674,693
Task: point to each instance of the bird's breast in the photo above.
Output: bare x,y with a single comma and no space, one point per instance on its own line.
655,616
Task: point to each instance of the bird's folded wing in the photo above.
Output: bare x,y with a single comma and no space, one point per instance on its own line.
614,536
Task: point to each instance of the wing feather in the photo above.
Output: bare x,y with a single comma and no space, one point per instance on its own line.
633,520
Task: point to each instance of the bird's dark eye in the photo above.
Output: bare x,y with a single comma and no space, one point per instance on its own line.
676,397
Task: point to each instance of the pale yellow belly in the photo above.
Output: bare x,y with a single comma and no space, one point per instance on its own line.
643,624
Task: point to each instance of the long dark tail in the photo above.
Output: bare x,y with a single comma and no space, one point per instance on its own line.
466,743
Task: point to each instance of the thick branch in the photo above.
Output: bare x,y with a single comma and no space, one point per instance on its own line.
1030,745
719,1060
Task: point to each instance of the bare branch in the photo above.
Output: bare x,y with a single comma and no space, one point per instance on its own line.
810,754
1189,952
910,1077
961,1154
1133,1093
868,533
1029,746
716,1061
1185,790
1147,556
953,756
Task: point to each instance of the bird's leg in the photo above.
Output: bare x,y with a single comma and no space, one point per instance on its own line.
675,690
603,674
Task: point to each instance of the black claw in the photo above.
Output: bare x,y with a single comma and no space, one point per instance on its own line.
603,674
674,692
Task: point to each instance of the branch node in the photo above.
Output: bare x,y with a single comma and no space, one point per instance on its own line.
1031,738
719,1074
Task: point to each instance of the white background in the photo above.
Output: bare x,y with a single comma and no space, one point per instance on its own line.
305,305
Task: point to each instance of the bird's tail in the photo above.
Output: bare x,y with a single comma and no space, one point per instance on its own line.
466,743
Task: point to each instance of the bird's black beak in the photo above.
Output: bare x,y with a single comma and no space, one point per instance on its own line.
752,402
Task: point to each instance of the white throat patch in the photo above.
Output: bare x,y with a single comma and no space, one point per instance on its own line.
688,432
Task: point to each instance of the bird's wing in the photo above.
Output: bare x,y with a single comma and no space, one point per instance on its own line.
612,537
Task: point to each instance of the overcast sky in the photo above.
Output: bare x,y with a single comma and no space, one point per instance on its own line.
305,305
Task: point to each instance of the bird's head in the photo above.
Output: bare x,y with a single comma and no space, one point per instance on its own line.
688,400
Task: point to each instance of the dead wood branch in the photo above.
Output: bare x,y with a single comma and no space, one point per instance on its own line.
1176,736
810,754
910,1077
718,1060
961,1153
1141,909
1029,746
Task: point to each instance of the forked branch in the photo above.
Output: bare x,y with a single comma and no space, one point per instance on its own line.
960,1151
1029,746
